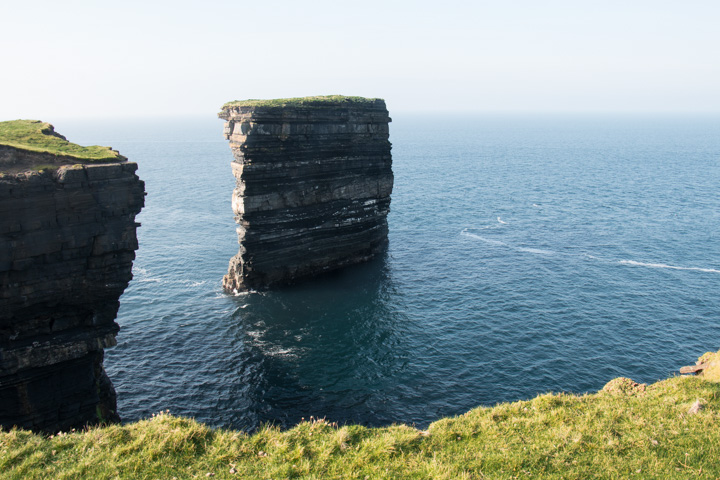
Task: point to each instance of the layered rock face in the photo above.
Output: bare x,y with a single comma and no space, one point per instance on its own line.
314,178
67,242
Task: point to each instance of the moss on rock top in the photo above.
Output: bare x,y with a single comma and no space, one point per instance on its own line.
316,101
38,136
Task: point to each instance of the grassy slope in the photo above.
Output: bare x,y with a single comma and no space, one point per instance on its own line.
300,101
38,136
624,431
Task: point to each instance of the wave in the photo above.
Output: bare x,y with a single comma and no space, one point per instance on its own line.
671,267
500,221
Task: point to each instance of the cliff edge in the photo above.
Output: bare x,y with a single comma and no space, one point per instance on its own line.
627,430
67,242
313,184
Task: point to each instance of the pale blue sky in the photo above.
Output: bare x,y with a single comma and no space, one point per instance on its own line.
143,58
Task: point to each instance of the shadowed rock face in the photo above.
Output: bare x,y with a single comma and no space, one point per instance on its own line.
313,188
67,242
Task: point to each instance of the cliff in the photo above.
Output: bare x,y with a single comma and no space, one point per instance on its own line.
314,178
67,242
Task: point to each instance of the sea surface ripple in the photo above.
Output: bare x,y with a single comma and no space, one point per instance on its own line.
526,255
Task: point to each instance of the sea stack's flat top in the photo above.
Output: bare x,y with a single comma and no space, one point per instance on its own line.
316,102
40,137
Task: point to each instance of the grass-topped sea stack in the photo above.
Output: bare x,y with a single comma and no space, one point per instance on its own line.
314,177
67,242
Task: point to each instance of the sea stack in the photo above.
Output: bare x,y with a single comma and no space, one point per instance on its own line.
67,243
314,178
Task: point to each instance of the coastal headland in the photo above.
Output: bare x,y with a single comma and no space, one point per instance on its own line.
67,243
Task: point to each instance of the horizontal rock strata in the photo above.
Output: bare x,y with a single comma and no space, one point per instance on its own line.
67,242
314,178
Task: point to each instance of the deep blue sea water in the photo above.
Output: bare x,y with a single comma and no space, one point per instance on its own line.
526,254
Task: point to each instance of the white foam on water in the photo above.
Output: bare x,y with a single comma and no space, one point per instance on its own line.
281,352
150,280
500,221
483,239
141,275
671,267
537,251
490,241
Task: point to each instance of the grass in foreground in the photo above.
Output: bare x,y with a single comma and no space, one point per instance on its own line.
37,136
317,101
624,431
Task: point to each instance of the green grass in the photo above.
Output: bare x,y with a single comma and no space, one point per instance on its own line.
624,431
37,136
317,101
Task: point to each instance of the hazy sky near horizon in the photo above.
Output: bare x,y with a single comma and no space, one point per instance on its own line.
160,58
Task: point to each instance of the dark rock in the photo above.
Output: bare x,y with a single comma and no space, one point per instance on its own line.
313,187
67,242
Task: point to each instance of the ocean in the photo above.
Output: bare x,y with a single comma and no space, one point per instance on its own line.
527,254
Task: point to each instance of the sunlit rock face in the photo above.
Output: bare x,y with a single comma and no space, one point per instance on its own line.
67,243
314,178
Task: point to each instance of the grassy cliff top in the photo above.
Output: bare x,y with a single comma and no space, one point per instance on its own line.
317,101
37,136
627,430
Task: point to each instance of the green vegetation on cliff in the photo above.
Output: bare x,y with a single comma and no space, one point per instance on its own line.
317,101
665,430
37,136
